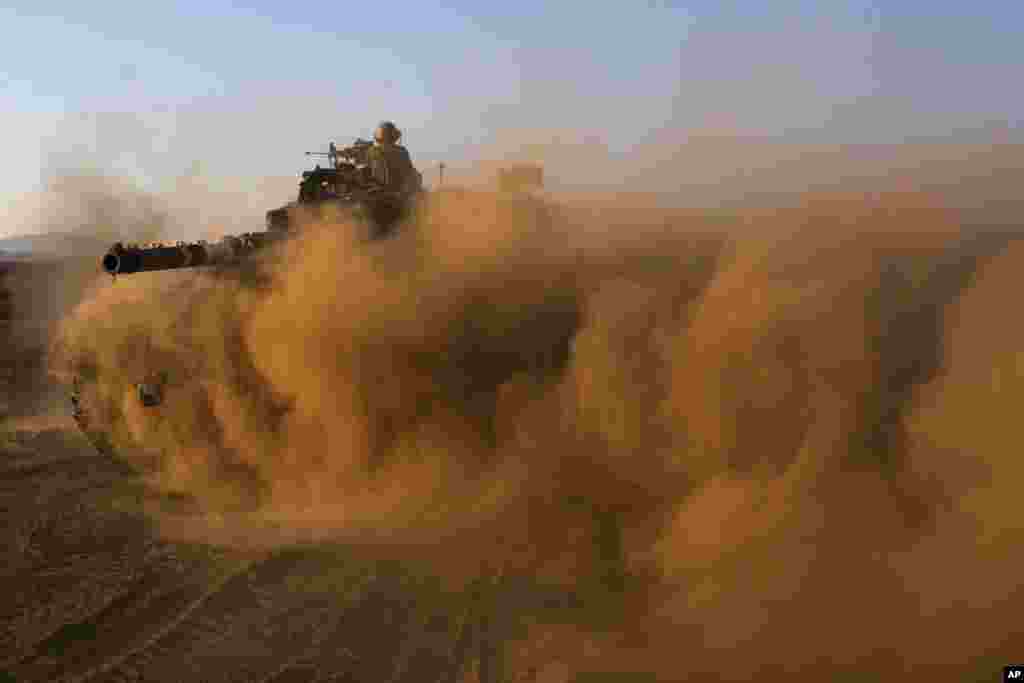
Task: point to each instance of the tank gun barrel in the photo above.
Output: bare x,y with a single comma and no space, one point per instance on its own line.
123,260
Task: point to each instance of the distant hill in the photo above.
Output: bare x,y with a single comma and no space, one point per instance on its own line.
10,255
13,247
51,245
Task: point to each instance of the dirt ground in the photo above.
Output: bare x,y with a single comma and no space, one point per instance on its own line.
92,592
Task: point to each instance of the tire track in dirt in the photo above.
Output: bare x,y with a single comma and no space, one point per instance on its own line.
242,629
83,578
171,615
60,559
132,612
130,659
387,636
16,472
99,597
261,624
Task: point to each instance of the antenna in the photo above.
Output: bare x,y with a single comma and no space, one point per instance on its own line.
331,154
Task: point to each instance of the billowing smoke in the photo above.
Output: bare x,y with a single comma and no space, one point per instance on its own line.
777,441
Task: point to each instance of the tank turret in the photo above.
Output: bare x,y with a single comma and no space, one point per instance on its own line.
345,185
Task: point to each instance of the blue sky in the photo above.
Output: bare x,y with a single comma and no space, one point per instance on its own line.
152,90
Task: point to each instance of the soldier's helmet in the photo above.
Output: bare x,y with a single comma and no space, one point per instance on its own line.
387,131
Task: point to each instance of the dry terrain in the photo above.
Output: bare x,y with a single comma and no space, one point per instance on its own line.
93,593
784,441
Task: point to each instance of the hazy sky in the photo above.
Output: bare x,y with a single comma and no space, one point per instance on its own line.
152,90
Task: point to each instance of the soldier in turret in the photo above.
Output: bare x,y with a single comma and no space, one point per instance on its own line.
390,164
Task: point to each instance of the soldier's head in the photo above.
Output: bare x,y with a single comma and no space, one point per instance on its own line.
387,133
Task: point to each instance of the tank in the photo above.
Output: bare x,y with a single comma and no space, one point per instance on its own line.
344,185
489,343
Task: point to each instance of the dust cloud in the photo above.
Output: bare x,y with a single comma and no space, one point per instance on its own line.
776,440
78,215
